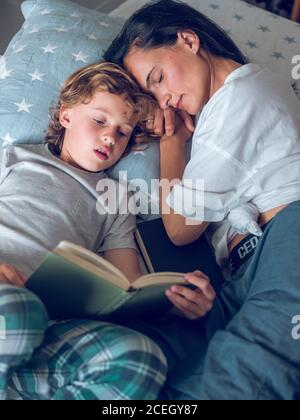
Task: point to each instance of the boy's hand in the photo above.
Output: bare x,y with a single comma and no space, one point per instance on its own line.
192,304
168,122
10,275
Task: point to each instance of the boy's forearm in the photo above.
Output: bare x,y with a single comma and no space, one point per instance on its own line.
126,260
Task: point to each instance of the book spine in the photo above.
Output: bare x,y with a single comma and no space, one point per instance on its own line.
144,253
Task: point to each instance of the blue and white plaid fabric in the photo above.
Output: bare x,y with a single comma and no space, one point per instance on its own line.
72,360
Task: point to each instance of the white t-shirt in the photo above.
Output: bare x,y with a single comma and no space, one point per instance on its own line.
245,156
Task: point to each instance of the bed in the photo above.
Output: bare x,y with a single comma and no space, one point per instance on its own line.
58,37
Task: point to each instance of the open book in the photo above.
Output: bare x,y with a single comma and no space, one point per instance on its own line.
73,282
160,254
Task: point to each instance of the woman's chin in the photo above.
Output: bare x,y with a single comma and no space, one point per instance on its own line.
191,109
196,109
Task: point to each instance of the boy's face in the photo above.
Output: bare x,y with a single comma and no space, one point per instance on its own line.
97,133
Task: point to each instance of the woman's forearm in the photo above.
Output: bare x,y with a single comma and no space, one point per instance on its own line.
172,166
173,156
172,159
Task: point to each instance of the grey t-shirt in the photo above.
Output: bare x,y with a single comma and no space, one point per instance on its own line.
44,200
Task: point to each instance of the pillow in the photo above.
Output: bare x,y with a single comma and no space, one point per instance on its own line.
57,38
265,38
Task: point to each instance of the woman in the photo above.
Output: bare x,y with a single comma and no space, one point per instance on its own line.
246,149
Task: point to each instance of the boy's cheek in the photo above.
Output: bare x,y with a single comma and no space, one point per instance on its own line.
116,157
120,151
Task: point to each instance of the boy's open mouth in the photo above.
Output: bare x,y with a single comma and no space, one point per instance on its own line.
102,154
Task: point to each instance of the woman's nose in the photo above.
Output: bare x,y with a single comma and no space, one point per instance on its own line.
164,101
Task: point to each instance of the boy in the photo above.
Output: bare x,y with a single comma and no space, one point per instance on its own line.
48,194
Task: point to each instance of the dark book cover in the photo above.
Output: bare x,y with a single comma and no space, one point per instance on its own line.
160,254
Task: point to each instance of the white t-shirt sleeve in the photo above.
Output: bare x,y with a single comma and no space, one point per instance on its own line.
121,234
213,179
245,150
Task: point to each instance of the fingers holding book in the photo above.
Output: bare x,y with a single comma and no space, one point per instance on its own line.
11,275
192,304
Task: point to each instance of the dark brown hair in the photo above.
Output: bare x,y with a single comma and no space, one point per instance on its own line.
156,25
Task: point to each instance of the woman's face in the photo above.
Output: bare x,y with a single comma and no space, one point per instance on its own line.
178,76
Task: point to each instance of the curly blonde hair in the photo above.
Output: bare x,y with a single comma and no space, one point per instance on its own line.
80,87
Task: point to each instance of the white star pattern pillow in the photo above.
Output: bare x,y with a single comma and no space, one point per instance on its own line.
57,38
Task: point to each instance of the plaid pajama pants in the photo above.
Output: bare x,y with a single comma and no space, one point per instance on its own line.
72,360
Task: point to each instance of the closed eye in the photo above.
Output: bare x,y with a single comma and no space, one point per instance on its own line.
98,122
124,134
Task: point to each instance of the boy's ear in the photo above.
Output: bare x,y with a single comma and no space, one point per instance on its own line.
64,116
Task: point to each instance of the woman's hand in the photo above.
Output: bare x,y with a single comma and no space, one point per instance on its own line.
11,275
192,304
167,123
